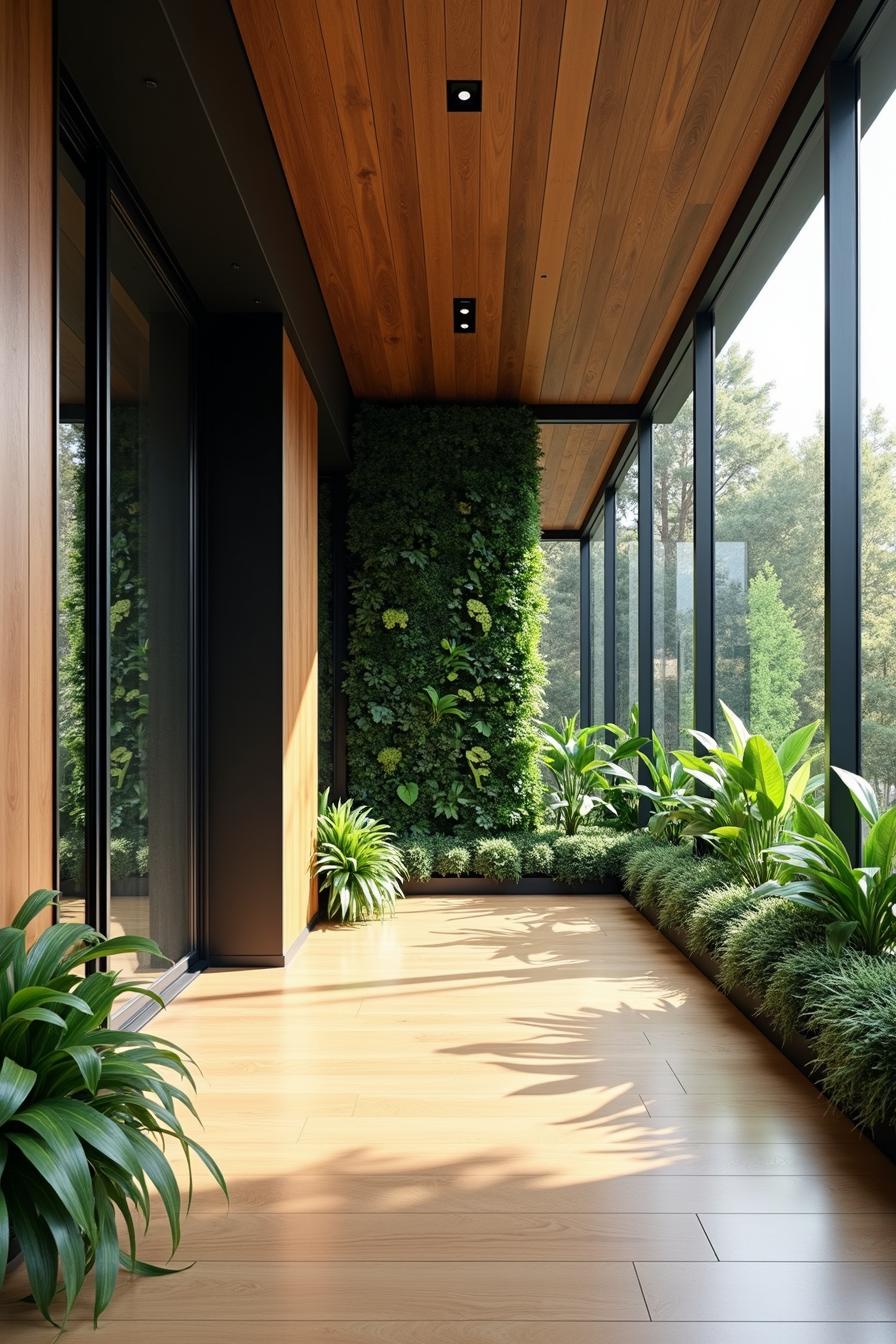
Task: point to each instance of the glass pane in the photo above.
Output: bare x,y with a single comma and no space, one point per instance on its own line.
149,617
627,595
673,565
324,635
560,629
769,467
878,303
70,543
597,622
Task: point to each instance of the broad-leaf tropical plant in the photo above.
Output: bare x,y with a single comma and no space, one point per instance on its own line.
615,795
441,706
815,869
85,1113
669,788
569,754
356,862
741,799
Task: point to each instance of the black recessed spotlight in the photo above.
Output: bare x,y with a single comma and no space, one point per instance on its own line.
464,316
465,95
149,82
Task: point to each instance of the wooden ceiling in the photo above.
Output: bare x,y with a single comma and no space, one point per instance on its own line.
579,207
576,460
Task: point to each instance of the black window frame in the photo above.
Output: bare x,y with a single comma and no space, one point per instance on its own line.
109,191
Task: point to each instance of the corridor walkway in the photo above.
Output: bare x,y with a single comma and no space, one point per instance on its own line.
508,1121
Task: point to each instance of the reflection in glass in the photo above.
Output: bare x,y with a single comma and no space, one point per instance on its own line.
769,465
598,652
149,614
560,629
627,594
324,635
70,544
878,347
673,562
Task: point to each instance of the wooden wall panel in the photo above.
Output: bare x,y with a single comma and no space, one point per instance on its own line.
299,647
26,450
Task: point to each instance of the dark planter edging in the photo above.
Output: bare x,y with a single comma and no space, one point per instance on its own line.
527,886
795,1047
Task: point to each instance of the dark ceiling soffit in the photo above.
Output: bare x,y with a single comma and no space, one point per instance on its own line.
210,45
842,31
571,413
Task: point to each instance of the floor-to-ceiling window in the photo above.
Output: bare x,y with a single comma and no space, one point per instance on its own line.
560,628
150,574
71,559
598,651
673,568
126,546
769,464
626,593
877,205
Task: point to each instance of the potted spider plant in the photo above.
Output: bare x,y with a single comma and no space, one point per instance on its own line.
85,1113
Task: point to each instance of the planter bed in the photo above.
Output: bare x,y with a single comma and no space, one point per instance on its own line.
794,1045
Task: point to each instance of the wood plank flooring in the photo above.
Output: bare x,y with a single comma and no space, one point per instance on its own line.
507,1121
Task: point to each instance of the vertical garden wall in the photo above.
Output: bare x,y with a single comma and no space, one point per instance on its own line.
444,678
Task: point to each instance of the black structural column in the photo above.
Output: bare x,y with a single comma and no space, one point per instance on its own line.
96,531
586,708
842,436
609,706
645,589
704,523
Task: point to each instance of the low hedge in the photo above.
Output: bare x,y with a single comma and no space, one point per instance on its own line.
757,942
596,855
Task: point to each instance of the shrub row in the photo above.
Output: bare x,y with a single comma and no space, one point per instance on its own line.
595,855
776,949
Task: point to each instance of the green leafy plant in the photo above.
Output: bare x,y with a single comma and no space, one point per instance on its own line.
498,859
617,795
669,789
815,870
455,658
408,793
441,706
741,800
356,862
450,859
449,801
85,1113
570,756
477,759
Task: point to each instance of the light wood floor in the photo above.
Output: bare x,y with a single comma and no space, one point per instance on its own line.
508,1121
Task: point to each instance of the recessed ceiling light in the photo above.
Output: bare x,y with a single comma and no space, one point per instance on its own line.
465,95
465,316
150,83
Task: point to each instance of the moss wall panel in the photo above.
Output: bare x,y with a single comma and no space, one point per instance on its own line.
444,678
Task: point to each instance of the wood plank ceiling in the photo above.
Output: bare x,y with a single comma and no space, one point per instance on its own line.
579,207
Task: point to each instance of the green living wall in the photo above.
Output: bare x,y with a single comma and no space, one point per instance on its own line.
444,678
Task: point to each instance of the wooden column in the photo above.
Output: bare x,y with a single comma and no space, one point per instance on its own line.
27,420
299,646
259,441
